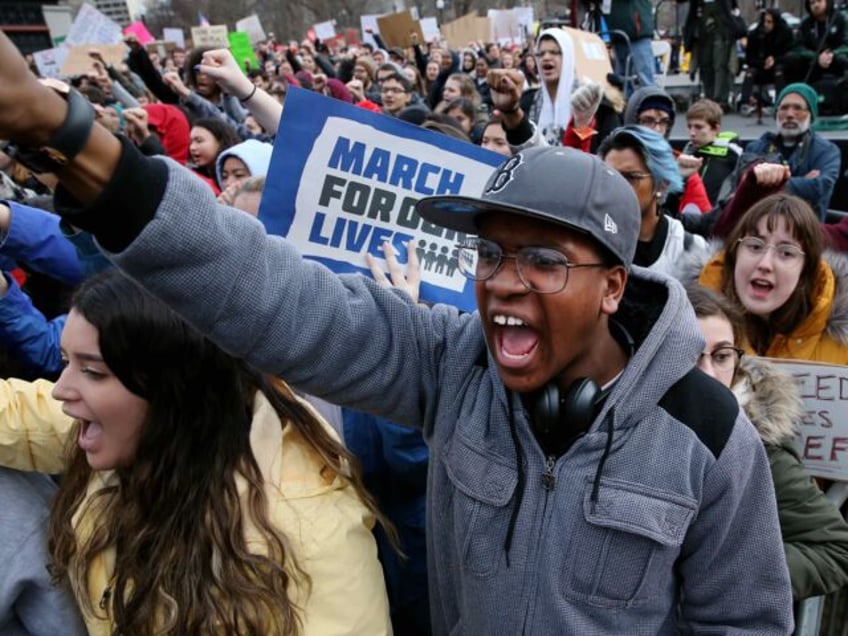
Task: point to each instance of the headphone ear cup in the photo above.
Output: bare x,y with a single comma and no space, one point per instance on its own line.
546,410
578,405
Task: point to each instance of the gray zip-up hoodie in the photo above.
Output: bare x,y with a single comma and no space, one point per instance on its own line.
660,518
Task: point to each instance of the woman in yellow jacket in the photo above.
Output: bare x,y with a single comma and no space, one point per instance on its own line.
198,496
795,301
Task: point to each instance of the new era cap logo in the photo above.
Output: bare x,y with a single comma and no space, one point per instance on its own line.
609,225
505,174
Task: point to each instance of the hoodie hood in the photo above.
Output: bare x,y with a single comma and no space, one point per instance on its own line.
256,155
639,97
554,116
656,314
172,127
770,399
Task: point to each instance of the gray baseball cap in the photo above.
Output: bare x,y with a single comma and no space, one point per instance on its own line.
561,185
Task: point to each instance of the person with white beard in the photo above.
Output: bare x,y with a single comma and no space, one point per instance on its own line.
813,160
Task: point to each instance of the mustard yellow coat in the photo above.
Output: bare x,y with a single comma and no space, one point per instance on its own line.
814,338
328,527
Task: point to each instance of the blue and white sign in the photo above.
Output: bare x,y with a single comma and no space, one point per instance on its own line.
343,180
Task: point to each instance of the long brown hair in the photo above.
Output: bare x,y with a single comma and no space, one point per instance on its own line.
802,222
175,516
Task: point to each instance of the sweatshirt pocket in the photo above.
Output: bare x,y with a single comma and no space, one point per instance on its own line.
626,544
483,486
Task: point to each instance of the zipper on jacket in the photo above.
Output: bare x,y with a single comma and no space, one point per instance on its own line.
548,477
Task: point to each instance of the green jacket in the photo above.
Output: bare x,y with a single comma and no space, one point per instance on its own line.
634,17
815,536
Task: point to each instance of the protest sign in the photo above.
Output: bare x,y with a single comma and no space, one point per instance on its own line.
395,29
511,26
366,23
351,37
253,27
242,50
468,28
79,62
325,30
215,36
92,27
823,440
343,180
430,29
139,30
49,62
177,36
591,59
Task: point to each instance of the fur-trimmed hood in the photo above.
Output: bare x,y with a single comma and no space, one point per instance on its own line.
770,399
692,262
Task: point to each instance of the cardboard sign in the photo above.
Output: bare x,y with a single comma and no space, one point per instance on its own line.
160,48
139,30
49,62
395,29
511,26
210,36
468,28
242,50
591,60
253,27
79,62
177,36
823,440
92,27
343,180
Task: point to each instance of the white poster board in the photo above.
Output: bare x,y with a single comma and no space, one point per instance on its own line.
177,36
253,27
325,30
92,27
49,62
430,28
369,22
823,440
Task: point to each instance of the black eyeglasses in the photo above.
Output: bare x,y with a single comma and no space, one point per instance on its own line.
541,269
654,122
723,358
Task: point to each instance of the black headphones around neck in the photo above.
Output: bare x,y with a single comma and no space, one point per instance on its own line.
579,405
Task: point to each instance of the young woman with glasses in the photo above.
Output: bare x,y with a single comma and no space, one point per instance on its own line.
815,536
794,301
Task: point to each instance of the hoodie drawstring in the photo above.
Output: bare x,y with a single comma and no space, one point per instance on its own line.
596,485
519,493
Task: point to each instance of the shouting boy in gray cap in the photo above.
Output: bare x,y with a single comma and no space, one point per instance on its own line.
584,477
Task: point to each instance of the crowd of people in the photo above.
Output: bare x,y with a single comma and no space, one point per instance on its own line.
202,432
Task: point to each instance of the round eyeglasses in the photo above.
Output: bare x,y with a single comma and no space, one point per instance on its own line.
786,253
723,358
541,269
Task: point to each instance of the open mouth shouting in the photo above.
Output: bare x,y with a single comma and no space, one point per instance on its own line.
515,341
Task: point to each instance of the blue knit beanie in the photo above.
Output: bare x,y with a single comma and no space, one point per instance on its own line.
807,93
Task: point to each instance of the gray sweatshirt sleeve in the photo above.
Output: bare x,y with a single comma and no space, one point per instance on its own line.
29,602
746,590
341,338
